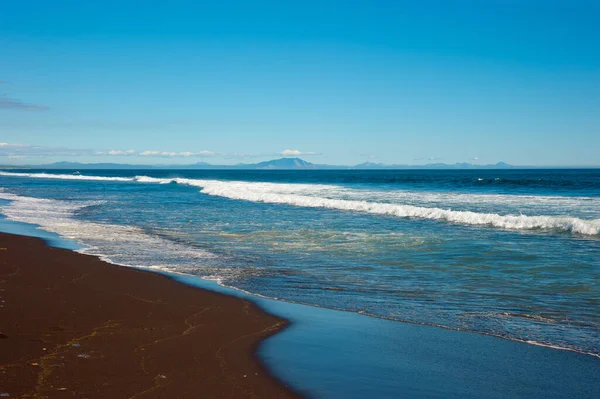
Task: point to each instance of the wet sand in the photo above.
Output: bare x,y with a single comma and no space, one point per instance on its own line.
74,326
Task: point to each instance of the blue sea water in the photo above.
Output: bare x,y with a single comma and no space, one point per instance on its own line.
509,253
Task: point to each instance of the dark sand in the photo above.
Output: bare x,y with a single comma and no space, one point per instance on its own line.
73,326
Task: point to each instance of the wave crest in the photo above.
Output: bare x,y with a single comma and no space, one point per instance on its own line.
315,196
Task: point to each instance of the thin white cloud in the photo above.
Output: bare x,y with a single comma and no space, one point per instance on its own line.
11,145
295,153
170,154
115,152
26,150
121,152
8,149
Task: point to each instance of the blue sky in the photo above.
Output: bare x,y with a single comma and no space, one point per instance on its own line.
332,82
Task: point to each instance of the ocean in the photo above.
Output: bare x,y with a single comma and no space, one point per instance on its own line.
508,253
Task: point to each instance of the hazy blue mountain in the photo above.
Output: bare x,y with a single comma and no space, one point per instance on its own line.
282,163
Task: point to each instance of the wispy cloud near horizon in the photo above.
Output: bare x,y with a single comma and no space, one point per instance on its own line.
171,154
14,103
116,152
19,151
295,153
25,150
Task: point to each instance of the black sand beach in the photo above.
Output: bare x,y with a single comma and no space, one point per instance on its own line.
75,326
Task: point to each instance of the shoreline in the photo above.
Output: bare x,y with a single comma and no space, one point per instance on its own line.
74,325
328,353
52,239
225,288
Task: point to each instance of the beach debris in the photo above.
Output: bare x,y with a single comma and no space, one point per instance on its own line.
34,364
76,345
4,394
3,249
84,356
61,389
162,376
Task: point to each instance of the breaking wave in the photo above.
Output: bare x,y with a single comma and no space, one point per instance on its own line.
328,196
65,177
126,245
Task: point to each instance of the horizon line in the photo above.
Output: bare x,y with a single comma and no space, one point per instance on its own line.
328,166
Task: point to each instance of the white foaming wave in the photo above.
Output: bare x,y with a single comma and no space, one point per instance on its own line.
330,190
276,193
341,192
254,186
65,176
513,222
477,198
124,242
120,245
324,196
400,197
295,195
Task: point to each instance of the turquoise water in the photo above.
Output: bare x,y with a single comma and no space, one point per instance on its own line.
514,254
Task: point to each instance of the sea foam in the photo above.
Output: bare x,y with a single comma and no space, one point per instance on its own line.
320,196
295,195
65,176
132,244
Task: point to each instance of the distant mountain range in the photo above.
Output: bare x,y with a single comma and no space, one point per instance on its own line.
276,164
